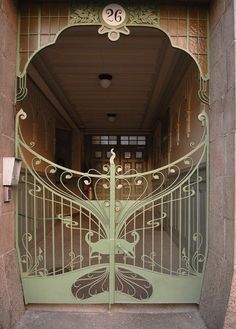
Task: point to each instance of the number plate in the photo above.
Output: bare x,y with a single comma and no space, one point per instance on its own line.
113,15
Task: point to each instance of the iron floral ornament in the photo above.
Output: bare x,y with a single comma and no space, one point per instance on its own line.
114,19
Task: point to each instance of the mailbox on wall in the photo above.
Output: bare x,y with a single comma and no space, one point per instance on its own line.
11,171
11,175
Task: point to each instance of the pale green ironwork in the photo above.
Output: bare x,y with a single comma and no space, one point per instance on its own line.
203,91
21,88
142,240
89,14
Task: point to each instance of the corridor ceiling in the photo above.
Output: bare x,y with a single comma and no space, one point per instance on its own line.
145,71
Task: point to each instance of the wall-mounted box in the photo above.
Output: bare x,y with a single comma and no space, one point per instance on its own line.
11,171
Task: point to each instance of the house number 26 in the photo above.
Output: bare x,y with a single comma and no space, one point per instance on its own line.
113,15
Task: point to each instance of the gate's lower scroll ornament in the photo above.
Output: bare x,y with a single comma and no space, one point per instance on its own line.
126,282
133,284
91,284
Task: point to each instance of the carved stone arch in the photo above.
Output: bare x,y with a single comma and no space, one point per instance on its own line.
187,28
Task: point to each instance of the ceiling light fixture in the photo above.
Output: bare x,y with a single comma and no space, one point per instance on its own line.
111,117
105,79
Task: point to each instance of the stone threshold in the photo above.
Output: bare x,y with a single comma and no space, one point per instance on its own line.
115,308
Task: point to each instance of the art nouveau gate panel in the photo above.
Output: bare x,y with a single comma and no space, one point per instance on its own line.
151,249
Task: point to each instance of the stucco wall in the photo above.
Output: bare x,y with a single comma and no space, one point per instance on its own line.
221,258
11,300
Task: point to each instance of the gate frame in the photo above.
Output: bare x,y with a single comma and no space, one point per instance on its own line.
138,18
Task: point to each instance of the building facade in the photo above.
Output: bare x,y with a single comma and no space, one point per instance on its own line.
217,298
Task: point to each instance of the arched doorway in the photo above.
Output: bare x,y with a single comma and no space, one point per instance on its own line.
118,234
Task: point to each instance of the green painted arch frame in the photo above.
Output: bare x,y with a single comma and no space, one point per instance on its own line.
94,19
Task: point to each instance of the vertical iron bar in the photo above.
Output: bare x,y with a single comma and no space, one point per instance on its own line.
185,217
162,212
53,235
28,34
143,234
39,27
26,218
99,235
125,236
81,233
135,244
35,229
198,218
175,209
44,232
18,196
207,188
193,220
189,221
19,192
180,227
112,233
71,240
153,246
188,28
89,217
171,231
62,236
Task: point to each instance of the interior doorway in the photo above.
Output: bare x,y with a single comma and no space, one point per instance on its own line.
133,154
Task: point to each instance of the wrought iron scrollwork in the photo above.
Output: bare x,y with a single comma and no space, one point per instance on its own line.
91,284
133,284
110,239
21,88
97,282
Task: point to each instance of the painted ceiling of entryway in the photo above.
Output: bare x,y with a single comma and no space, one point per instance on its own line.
145,72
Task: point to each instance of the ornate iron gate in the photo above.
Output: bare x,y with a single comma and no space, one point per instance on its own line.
77,247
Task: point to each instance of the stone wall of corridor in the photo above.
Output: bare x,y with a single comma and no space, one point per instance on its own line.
11,300
221,258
